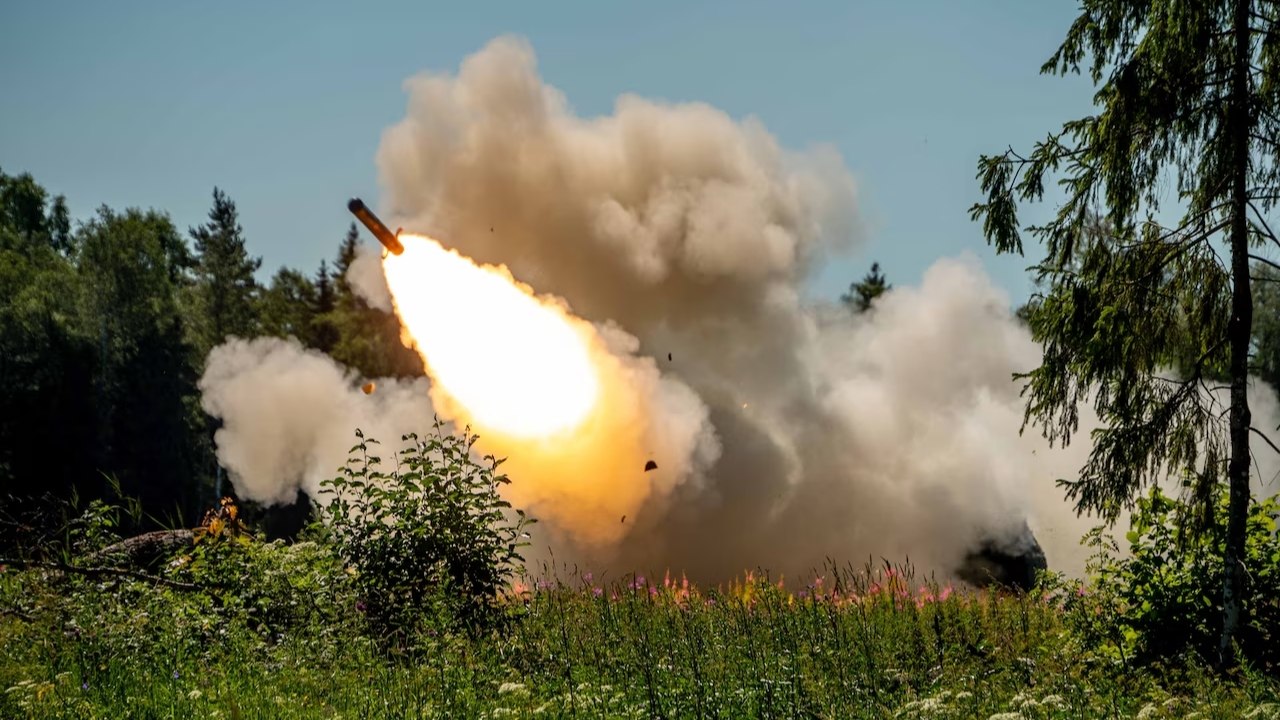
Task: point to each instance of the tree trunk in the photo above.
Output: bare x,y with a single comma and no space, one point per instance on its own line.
1238,331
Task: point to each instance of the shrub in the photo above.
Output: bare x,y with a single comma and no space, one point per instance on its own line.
433,534
1165,598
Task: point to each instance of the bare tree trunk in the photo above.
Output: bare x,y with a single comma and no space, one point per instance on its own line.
1238,331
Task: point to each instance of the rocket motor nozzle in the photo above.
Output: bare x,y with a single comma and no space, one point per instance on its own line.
371,221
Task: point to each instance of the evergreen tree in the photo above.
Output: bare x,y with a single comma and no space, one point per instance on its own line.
287,307
1189,100
324,333
225,291
369,339
862,294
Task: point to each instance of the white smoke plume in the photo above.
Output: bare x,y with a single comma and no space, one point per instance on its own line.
685,237
289,415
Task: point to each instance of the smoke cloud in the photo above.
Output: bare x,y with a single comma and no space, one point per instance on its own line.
684,236
289,415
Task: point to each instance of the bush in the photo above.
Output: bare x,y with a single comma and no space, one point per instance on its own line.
1165,598
432,535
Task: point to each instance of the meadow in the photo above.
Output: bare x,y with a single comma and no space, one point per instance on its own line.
871,642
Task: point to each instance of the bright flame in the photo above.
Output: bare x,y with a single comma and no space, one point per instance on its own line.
516,364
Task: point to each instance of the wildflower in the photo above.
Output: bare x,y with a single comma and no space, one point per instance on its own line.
84,685
1148,711
176,675
1007,716
597,591
588,576
194,695
512,687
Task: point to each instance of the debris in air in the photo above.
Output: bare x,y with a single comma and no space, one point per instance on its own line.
651,465
624,518
369,387
668,357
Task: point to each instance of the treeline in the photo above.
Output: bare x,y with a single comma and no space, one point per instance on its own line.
104,330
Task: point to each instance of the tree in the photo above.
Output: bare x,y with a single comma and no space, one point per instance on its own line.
225,291
369,339
22,211
287,307
47,361
1189,100
323,331
862,294
132,265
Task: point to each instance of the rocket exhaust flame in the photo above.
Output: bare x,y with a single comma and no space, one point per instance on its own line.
565,402
513,364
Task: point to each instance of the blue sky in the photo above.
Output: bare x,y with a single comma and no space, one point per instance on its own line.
282,104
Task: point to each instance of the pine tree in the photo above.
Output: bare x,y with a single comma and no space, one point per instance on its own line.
1188,101
862,294
225,290
324,333
369,339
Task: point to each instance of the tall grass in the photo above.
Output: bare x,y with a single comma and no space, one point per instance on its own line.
850,643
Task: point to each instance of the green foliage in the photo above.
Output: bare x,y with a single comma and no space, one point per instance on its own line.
862,294
1162,598
432,532
630,648
1186,107
104,330
287,307
131,267
225,291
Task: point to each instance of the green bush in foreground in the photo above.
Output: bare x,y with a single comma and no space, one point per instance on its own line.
1164,598
430,538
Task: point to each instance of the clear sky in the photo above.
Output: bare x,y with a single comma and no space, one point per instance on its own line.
282,103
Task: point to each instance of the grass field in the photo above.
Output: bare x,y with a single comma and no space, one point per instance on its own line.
870,643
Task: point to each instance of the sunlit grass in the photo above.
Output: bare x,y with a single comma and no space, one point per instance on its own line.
850,643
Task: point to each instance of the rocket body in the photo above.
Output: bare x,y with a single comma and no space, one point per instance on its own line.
371,221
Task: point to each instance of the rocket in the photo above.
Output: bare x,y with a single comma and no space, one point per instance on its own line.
389,239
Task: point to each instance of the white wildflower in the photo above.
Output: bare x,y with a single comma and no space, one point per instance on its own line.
512,687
